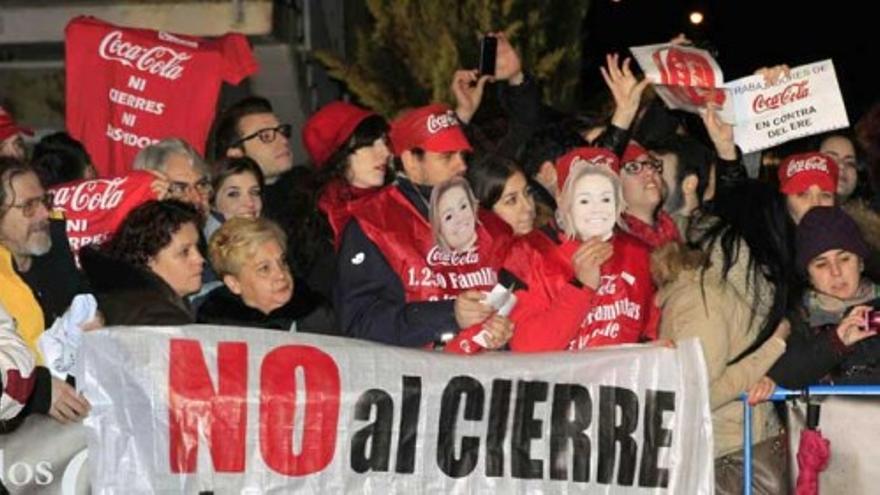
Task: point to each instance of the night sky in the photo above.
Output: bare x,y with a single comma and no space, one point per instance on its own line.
749,34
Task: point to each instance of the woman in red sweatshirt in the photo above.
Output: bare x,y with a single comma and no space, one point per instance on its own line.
594,287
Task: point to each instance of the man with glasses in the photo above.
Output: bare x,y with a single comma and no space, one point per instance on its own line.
641,176
38,276
251,128
181,165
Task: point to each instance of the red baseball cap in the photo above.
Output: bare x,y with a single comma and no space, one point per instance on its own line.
798,172
329,128
585,155
431,128
632,152
8,127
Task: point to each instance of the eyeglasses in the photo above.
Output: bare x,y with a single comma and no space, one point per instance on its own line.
179,189
29,208
267,135
636,167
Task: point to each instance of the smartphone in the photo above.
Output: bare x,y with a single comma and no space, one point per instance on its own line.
488,49
872,320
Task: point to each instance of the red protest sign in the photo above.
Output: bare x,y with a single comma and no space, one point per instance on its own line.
94,208
128,88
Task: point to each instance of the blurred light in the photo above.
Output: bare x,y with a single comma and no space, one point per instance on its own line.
696,17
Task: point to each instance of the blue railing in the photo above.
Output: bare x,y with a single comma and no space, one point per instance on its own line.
783,394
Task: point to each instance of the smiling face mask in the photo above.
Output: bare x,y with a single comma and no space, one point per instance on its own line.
457,219
594,207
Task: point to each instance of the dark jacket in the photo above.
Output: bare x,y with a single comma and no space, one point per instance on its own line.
128,295
53,277
815,352
370,300
305,309
292,203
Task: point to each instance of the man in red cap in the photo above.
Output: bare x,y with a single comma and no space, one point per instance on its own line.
11,136
395,284
807,180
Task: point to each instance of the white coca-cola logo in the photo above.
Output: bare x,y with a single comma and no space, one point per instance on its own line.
92,195
597,161
812,163
438,256
438,122
158,60
792,92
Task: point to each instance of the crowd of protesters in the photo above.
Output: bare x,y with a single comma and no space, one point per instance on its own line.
637,226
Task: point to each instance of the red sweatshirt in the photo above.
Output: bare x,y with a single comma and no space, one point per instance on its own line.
554,314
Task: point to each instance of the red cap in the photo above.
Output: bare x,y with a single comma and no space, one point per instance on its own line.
431,128
8,127
798,172
632,152
589,156
329,128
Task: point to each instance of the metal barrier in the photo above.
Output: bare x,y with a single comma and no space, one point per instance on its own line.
781,394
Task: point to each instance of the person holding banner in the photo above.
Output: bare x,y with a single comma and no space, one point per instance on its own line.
259,291
187,173
348,145
38,275
594,284
395,283
144,274
26,388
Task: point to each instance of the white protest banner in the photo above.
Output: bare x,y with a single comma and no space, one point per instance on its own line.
203,409
686,78
805,102
44,456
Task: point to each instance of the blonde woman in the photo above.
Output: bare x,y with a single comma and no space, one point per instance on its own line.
258,290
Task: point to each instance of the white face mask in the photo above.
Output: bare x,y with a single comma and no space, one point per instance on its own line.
594,207
457,219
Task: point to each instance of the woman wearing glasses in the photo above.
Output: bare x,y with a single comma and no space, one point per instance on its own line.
145,273
348,145
641,176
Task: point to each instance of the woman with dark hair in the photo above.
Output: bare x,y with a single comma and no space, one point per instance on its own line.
732,293
144,274
59,158
501,186
348,145
237,186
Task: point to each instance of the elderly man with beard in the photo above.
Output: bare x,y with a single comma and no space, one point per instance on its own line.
38,276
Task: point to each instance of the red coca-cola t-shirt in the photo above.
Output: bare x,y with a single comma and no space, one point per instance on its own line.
128,88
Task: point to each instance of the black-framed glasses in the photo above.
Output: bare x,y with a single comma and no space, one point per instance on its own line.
267,135
30,206
636,167
177,189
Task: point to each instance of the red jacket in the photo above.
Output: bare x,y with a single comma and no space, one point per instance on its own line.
555,314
